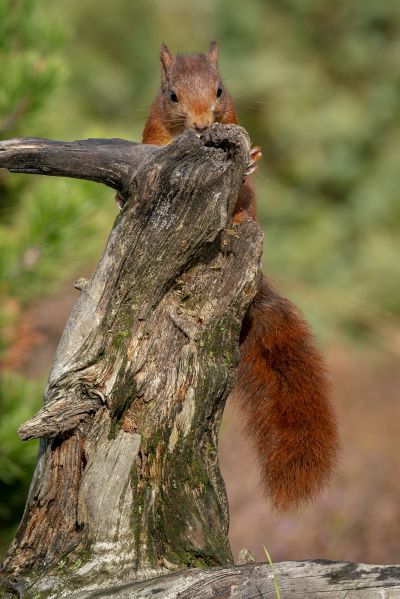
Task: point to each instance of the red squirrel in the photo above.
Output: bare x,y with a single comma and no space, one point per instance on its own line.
282,385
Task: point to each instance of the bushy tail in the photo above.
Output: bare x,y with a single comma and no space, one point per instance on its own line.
284,392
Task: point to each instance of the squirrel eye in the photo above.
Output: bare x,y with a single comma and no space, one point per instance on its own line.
173,96
219,91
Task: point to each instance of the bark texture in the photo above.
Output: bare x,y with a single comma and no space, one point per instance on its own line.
296,580
127,484
113,162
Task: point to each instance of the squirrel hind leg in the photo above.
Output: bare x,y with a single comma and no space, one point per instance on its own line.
284,392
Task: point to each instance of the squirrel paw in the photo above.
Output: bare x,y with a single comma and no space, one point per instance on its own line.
255,154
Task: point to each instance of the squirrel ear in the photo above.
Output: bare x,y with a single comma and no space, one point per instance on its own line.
213,52
167,61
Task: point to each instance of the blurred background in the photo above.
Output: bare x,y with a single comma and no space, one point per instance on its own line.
317,85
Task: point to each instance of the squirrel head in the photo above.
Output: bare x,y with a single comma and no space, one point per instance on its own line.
192,93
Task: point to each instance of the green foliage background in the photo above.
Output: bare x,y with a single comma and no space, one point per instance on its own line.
317,85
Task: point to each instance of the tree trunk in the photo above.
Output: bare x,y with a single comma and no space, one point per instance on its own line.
127,484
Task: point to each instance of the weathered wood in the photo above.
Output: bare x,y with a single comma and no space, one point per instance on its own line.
296,580
113,162
314,579
127,484
61,416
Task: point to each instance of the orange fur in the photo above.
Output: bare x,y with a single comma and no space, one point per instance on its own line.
282,384
284,392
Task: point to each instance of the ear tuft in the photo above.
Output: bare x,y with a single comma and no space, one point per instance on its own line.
167,60
213,52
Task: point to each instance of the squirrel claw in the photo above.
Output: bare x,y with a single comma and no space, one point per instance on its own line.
119,200
255,154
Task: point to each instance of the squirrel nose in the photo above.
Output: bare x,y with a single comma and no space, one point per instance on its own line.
200,128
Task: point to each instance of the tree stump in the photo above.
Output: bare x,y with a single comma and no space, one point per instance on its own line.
127,484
